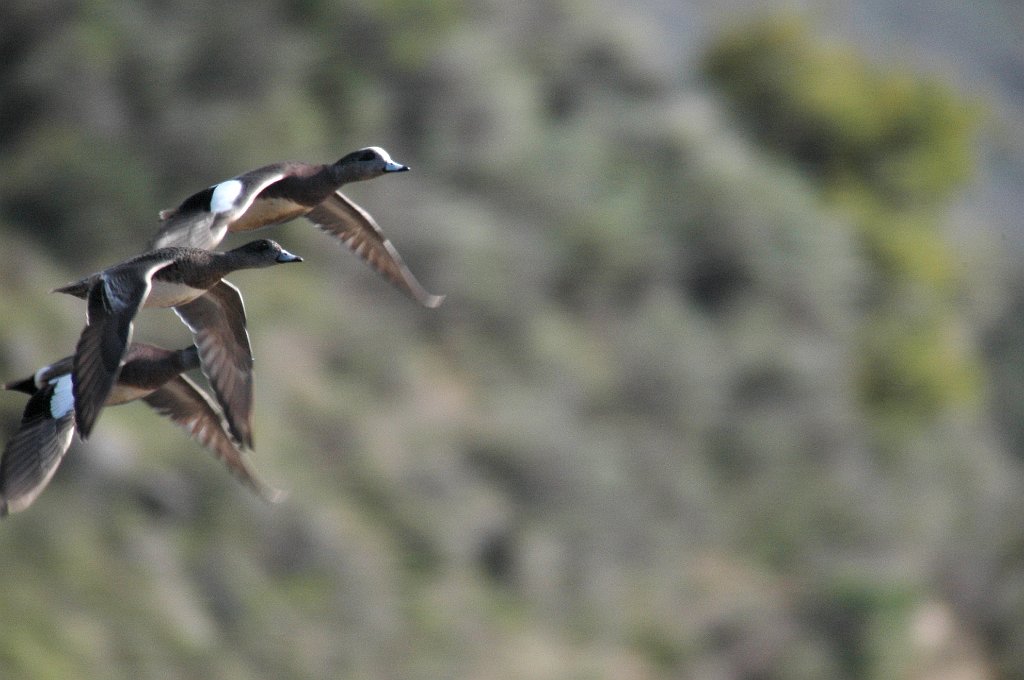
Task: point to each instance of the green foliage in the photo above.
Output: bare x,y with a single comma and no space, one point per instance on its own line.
908,139
887,150
919,364
101,188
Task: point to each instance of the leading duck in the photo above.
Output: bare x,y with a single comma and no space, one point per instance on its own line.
283,191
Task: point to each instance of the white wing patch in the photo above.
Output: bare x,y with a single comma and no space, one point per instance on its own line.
62,400
224,196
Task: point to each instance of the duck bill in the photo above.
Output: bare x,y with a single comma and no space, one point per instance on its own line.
285,256
391,166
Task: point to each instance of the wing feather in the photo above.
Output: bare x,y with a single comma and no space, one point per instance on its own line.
357,229
217,320
188,406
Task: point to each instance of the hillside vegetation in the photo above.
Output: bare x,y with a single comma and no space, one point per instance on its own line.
711,394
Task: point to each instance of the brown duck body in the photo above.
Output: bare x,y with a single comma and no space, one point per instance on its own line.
189,280
150,373
280,192
301,187
176,275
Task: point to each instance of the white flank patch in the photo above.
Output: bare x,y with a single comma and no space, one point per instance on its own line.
164,294
62,400
224,196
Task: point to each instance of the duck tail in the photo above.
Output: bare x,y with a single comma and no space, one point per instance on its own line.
27,385
80,289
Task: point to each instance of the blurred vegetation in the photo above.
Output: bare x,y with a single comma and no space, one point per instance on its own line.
889,150
707,397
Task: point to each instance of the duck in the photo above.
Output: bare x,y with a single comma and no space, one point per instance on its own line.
189,280
280,192
151,373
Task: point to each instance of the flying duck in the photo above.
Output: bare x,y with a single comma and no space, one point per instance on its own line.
283,191
189,280
153,374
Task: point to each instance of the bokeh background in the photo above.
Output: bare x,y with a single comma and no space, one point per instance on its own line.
729,382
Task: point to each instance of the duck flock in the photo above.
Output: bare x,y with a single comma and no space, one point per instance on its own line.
181,270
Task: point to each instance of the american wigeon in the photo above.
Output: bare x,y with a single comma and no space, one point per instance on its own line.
150,373
283,191
189,280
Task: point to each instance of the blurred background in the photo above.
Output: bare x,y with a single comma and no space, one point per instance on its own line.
728,383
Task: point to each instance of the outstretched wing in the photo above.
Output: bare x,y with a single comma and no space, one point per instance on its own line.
186,404
346,221
114,300
34,453
217,320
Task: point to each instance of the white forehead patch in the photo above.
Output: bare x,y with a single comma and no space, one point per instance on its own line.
62,400
224,195
385,156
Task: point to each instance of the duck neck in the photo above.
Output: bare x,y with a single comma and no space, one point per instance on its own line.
150,367
346,173
231,261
